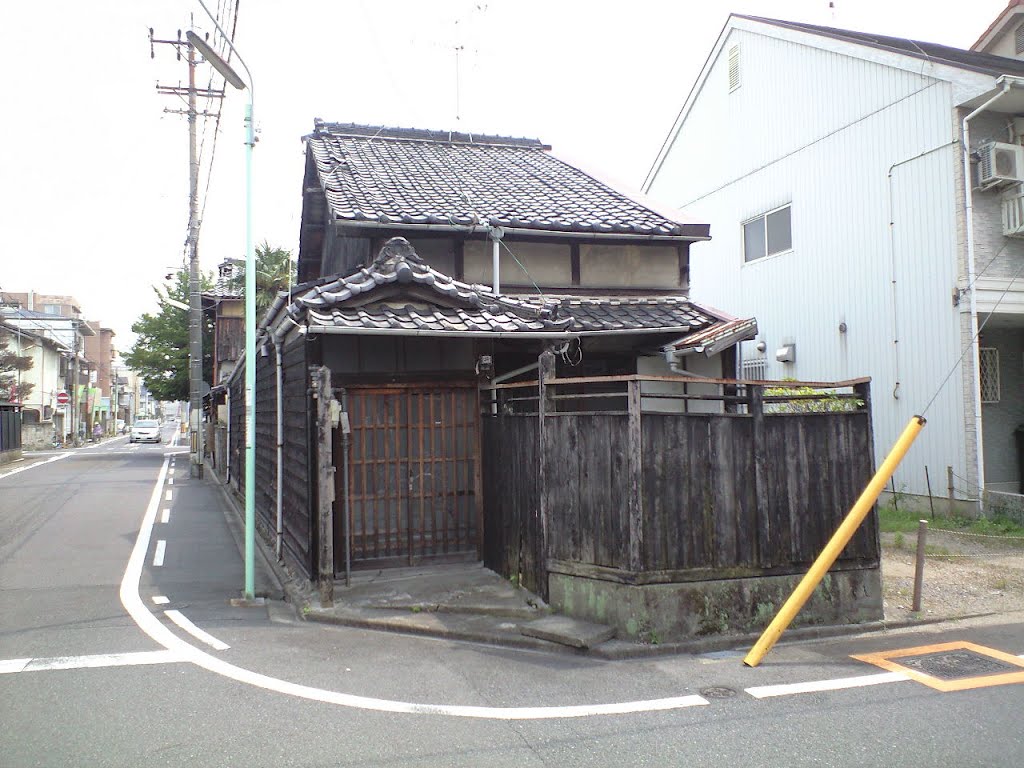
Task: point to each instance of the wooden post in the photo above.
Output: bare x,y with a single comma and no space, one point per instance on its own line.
922,532
950,490
755,405
634,465
545,405
321,381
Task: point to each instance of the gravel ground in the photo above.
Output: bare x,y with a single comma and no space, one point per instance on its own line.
963,575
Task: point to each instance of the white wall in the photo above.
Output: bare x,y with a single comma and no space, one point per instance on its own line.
852,145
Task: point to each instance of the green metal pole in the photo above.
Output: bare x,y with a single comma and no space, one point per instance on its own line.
250,362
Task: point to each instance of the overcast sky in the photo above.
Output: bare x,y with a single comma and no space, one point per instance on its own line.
94,172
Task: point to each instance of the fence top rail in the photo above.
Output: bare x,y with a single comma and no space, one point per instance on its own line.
786,384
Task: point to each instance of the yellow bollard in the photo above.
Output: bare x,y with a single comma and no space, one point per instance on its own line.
835,545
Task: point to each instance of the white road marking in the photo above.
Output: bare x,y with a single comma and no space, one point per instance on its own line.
160,600
170,481
32,466
165,515
787,689
158,556
167,496
159,632
11,666
178,618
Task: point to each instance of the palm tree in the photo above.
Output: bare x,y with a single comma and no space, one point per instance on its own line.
275,272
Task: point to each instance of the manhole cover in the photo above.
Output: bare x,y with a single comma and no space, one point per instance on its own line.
952,665
717,692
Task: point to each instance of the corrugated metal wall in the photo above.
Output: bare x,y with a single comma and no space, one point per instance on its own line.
851,145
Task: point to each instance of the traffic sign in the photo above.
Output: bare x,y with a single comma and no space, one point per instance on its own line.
63,398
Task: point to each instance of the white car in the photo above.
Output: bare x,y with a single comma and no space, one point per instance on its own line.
145,431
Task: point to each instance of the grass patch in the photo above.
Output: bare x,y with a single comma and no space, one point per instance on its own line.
899,521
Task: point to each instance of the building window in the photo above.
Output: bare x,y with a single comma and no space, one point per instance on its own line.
989,357
767,234
734,68
1018,39
51,309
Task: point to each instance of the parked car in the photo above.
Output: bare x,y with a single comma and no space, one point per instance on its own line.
145,431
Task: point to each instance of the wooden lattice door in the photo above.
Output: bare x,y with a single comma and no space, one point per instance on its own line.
413,475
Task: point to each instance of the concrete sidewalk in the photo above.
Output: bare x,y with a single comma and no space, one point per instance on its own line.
469,602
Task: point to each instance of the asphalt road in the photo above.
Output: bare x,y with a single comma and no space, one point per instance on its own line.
94,672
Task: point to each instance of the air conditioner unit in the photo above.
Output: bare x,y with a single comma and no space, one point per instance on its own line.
1000,164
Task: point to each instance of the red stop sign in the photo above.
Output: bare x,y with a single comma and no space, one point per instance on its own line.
63,398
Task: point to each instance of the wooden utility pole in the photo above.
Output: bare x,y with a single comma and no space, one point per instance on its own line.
195,319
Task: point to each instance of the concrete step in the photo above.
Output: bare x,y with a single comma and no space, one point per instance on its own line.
565,630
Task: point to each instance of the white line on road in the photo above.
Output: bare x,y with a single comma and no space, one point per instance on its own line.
786,689
31,466
160,600
165,515
158,556
167,496
178,618
159,632
170,481
11,666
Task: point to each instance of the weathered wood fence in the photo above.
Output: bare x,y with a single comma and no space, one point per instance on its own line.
642,497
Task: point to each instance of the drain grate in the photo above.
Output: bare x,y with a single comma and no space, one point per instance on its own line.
953,665
717,692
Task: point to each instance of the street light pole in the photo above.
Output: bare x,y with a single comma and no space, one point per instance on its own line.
229,74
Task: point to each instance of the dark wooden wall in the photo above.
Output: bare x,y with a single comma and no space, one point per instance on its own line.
513,539
298,500
10,429
236,436
720,495
297,507
266,438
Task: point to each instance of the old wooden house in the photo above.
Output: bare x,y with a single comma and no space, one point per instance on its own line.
492,355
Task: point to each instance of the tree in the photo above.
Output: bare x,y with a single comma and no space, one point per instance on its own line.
275,272
160,352
11,364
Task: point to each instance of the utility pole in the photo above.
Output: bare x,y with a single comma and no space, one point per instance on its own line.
195,315
75,406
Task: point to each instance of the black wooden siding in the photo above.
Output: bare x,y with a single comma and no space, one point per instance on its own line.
236,424
266,438
512,536
296,541
700,513
297,504
10,429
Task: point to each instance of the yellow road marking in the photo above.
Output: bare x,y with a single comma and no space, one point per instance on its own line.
889,660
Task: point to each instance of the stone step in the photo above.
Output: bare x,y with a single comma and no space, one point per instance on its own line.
565,630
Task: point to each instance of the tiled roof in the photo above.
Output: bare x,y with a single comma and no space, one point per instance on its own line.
714,338
472,309
408,176
957,57
594,314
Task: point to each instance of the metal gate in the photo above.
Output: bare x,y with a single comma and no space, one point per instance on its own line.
413,474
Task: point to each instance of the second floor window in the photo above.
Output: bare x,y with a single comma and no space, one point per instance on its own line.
767,234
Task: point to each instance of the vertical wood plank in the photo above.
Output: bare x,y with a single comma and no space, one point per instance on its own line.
634,482
765,554
548,450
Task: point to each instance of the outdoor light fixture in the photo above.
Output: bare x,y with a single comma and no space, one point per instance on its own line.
232,77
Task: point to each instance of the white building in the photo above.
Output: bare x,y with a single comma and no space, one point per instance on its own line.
831,166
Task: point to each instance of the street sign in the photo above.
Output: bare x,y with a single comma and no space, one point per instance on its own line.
63,398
